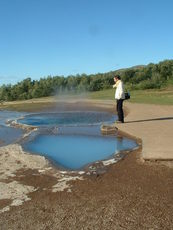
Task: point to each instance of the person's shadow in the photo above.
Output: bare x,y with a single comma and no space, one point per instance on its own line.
152,119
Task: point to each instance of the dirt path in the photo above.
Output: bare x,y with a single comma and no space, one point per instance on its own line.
154,125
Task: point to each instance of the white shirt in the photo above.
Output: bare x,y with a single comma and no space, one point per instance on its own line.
119,92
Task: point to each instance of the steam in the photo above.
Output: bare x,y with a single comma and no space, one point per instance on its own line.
71,99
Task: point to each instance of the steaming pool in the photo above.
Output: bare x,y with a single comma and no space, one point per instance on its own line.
73,140
70,118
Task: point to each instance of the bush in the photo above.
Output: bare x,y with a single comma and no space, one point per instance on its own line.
149,85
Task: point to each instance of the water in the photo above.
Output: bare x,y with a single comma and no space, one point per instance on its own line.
73,140
67,118
5,115
75,151
9,135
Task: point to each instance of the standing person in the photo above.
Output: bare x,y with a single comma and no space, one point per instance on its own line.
119,96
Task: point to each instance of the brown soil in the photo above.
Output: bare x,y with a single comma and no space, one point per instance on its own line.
131,194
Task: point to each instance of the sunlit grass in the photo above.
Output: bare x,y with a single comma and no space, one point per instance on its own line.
161,97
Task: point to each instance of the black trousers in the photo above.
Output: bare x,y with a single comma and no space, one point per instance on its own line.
120,110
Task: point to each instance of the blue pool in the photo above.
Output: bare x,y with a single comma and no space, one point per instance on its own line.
73,140
68,118
75,151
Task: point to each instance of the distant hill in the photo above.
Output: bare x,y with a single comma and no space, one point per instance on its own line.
133,67
137,67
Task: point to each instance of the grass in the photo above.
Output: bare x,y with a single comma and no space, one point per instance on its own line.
160,97
28,107
36,104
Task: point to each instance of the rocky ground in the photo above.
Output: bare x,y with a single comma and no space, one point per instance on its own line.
130,194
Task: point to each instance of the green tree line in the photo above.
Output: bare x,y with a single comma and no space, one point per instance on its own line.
140,77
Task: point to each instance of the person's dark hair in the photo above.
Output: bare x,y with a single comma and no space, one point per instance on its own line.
118,77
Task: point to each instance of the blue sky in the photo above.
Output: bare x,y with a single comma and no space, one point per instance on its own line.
62,37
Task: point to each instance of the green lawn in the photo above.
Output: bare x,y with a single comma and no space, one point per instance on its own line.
162,97
28,107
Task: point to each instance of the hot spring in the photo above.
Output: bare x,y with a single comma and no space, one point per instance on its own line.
70,118
73,140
